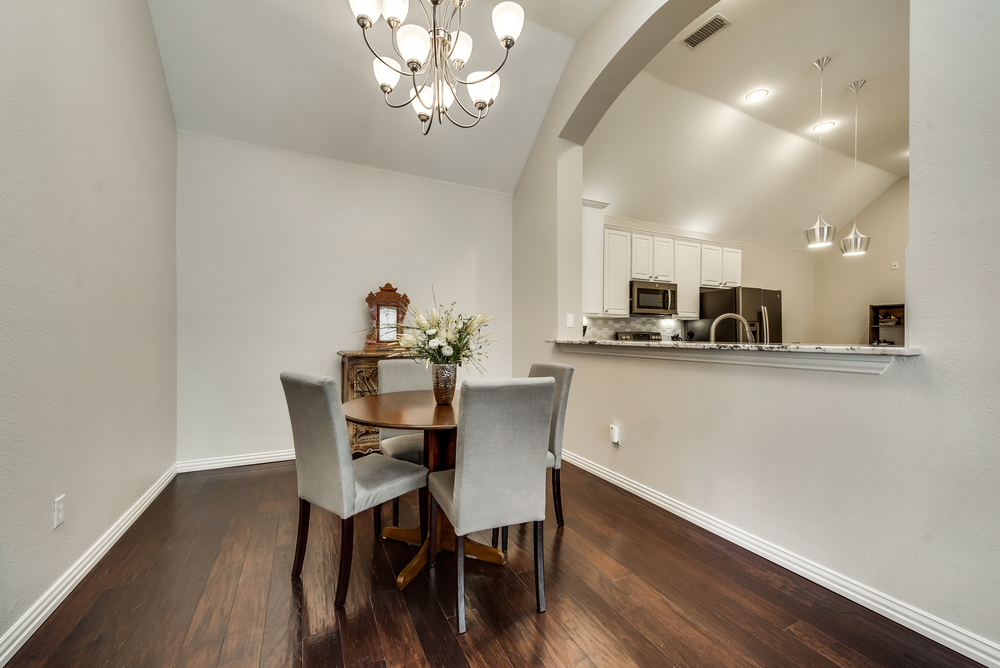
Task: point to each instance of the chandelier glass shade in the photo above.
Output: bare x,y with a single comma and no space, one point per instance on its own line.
433,57
821,234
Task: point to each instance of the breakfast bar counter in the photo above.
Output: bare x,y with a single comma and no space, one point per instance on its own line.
816,357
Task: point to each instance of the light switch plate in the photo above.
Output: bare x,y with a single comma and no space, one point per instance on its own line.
59,511
569,320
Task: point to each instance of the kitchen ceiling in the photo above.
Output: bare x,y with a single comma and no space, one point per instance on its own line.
296,75
772,44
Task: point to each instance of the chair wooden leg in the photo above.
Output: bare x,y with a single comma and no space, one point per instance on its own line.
496,537
432,551
460,581
377,516
503,539
346,556
395,512
539,567
300,541
557,497
422,495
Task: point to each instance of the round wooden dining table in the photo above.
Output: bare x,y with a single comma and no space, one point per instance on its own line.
417,410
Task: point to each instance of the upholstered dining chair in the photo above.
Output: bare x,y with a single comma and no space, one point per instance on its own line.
499,474
563,374
402,375
327,475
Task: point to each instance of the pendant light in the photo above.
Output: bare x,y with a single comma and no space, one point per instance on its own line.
855,243
821,234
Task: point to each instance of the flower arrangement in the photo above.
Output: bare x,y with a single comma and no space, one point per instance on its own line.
444,337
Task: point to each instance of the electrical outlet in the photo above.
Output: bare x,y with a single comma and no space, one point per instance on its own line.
895,265
616,435
59,511
569,320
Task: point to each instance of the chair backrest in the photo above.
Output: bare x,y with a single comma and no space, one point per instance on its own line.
563,373
503,433
323,461
402,375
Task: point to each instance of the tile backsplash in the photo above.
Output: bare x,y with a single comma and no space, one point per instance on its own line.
603,329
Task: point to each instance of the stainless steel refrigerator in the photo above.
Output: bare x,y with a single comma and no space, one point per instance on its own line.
761,308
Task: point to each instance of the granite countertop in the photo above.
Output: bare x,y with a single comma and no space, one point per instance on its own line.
894,351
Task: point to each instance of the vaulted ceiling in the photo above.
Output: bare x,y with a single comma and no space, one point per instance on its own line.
296,75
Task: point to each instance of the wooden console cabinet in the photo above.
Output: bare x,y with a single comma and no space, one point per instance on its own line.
359,378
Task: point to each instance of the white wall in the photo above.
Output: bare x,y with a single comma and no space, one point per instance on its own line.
845,287
87,281
276,252
905,496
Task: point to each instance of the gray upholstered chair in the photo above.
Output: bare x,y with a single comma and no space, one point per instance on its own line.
402,375
563,373
327,475
499,474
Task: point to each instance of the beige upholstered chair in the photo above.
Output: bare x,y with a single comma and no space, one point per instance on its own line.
563,374
402,375
499,474
328,477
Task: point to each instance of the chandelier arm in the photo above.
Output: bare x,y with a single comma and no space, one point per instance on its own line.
397,106
425,126
466,83
460,103
370,48
454,122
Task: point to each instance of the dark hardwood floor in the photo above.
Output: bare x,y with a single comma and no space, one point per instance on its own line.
202,579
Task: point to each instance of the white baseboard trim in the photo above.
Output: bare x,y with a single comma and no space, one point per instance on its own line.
15,637
236,460
964,642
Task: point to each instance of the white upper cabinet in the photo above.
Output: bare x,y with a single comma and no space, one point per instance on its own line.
663,259
617,272
711,265
687,276
732,267
642,257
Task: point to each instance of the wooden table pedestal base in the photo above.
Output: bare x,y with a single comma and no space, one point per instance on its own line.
446,541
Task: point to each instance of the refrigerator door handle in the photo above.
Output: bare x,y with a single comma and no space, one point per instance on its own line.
767,326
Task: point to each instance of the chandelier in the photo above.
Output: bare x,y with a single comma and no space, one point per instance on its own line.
434,56
821,234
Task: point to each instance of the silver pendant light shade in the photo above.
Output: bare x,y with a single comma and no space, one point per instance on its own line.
855,243
821,234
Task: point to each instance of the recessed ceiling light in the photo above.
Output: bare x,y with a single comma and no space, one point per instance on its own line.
756,95
824,126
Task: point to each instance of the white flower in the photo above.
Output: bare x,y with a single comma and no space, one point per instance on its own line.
421,321
447,351
434,343
407,341
431,332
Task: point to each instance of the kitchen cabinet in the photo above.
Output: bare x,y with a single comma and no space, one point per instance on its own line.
663,259
732,267
687,276
617,272
711,265
642,257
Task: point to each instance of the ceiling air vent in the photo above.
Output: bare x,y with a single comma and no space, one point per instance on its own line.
714,25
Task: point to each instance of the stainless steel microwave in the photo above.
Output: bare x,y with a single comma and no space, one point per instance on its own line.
647,298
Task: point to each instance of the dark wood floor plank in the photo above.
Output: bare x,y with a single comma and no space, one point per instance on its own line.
323,650
479,643
282,646
845,657
398,636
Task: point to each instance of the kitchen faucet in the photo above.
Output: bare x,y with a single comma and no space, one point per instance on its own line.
734,316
